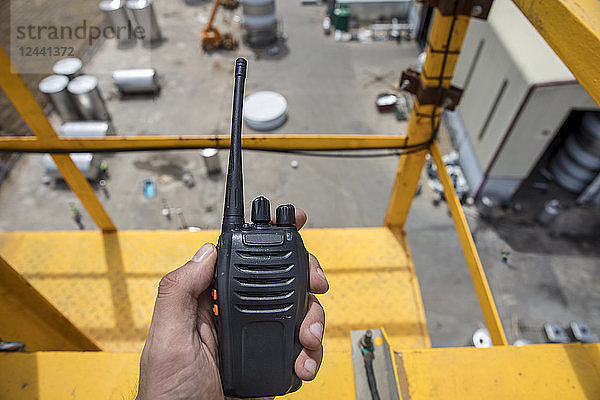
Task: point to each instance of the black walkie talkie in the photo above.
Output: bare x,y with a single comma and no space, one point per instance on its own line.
261,283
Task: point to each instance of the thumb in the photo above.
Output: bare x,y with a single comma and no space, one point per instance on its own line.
178,291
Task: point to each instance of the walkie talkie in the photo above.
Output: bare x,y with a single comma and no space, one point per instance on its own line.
261,283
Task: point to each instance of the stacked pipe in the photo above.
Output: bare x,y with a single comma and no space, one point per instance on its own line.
577,163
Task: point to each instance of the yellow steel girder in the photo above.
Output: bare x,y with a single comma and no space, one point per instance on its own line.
572,29
420,124
551,371
255,142
482,288
28,317
547,371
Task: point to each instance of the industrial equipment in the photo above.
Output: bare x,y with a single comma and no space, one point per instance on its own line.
55,87
88,98
87,163
70,67
517,95
118,19
145,17
577,163
261,280
265,110
212,39
260,22
136,81
211,161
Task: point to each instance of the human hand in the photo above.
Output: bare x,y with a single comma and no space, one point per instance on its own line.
180,356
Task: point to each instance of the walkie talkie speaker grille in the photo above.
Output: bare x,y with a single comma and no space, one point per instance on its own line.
264,111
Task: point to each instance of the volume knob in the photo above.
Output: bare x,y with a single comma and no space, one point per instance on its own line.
286,215
261,210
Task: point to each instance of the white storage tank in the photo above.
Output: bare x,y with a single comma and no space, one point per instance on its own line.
258,17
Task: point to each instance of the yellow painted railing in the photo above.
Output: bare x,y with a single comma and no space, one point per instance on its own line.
254,142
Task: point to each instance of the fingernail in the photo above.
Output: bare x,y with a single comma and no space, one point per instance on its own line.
202,253
317,330
322,274
310,365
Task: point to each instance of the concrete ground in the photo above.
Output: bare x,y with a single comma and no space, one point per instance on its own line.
330,88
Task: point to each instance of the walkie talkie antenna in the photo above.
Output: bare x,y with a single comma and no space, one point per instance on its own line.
233,211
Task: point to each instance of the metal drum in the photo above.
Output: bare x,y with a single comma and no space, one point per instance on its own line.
88,99
81,129
70,67
85,162
259,21
141,80
144,16
211,161
55,87
119,20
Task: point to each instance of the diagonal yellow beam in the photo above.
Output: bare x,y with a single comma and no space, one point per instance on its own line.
19,94
29,318
256,142
482,288
572,29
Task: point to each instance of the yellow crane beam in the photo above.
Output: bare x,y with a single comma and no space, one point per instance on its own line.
482,288
549,371
572,29
420,125
255,142
28,317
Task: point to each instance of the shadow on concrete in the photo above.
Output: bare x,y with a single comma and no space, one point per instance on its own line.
564,237
274,52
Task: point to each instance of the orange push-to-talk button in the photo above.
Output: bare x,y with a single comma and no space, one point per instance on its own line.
215,309
214,294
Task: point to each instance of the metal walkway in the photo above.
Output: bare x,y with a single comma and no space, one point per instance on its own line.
105,284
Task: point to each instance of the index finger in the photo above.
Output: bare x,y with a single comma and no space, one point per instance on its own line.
300,218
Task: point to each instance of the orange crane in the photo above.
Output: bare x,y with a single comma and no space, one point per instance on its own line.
212,39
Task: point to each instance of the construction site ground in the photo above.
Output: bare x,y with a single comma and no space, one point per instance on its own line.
330,88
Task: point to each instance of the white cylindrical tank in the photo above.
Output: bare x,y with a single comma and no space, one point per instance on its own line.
70,67
88,99
118,18
138,80
260,22
55,87
211,161
145,17
79,129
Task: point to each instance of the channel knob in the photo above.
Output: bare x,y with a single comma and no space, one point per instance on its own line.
261,210
285,215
